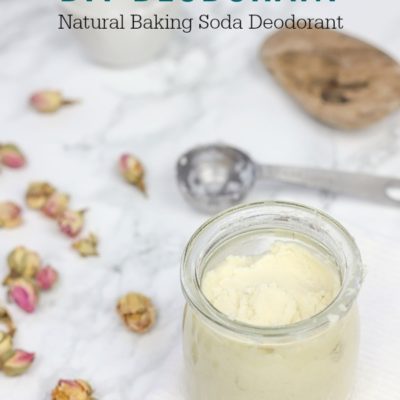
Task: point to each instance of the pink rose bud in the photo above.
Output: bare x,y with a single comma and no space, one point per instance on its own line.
18,363
48,101
23,293
132,171
71,222
10,215
46,278
56,204
11,156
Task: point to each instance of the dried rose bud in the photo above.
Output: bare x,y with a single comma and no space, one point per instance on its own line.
132,170
71,222
23,263
6,346
72,390
137,312
10,215
24,294
87,247
7,321
18,363
56,204
38,194
11,156
46,278
49,101
16,257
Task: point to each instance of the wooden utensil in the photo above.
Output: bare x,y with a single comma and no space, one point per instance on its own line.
340,80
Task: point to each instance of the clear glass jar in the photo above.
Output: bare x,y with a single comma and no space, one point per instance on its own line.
314,359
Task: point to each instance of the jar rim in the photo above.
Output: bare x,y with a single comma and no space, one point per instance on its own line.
342,303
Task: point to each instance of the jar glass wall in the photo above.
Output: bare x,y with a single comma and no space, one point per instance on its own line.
314,359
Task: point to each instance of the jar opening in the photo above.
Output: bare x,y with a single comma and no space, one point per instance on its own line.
248,226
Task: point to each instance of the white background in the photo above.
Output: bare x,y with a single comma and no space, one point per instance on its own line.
207,87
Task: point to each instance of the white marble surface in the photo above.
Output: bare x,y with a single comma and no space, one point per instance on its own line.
206,87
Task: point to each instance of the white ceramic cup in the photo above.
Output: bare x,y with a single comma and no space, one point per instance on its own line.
121,48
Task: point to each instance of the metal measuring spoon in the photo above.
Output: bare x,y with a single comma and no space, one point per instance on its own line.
215,177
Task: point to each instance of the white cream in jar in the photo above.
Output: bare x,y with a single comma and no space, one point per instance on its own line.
271,312
285,285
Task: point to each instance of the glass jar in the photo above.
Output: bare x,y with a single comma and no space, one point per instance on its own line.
129,45
314,359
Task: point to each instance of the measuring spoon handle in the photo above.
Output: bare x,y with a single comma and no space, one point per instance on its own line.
385,190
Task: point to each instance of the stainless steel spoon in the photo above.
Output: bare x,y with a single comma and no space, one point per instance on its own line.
215,177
